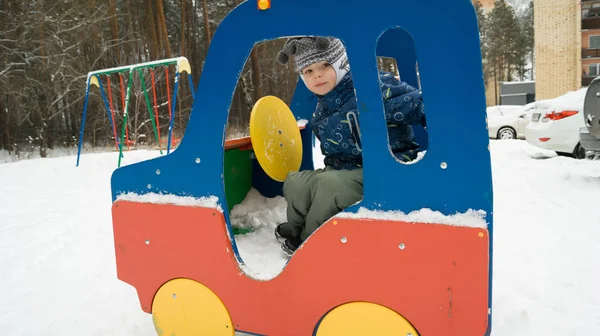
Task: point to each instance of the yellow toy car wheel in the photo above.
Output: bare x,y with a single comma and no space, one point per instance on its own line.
184,307
275,137
364,318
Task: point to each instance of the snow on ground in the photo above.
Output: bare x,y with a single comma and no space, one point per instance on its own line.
57,255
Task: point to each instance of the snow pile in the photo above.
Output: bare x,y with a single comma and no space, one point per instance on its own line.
572,100
302,122
208,202
57,251
261,253
471,218
420,156
257,211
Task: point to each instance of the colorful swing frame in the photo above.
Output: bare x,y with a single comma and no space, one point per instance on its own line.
93,78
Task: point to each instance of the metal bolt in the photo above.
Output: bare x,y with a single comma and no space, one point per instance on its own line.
344,240
174,296
401,246
444,165
197,160
149,186
147,242
158,172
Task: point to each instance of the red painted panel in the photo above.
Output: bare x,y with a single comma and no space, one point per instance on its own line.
439,281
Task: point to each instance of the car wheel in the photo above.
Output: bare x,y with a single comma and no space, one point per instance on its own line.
565,154
507,133
579,152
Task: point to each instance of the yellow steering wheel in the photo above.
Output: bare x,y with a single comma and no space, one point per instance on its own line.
275,137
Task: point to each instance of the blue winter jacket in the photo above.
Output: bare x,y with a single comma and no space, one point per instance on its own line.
335,124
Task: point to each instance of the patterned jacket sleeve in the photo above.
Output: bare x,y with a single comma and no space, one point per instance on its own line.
334,131
402,102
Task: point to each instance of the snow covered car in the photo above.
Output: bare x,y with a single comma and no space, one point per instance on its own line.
589,136
507,121
555,124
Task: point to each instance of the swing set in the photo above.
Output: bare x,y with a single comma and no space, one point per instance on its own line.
94,78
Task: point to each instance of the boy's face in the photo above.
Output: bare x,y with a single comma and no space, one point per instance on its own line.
319,77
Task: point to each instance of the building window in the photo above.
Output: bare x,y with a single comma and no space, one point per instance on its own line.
594,42
593,69
592,11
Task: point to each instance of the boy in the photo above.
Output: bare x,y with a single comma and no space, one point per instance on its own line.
314,196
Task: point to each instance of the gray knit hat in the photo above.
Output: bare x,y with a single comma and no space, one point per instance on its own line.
309,50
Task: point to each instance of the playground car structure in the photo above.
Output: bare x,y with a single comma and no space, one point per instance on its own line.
414,257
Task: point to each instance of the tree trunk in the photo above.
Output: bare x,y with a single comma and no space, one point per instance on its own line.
495,87
114,27
6,136
183,27
163,27
155,44
42,99
206,25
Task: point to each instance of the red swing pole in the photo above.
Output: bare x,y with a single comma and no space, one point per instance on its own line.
123,101
168,96
112,111
155,107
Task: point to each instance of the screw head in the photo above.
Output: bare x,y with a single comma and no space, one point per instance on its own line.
174,296
149,186
147,242
444,165
197,160
401,246
344,240
158,172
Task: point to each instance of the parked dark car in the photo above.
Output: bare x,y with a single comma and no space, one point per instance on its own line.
589,136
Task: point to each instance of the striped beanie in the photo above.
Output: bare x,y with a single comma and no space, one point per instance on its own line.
310,50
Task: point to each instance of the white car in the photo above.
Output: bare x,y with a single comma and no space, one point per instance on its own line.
508,121
555,124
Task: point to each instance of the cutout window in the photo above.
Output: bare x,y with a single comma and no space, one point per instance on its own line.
402,98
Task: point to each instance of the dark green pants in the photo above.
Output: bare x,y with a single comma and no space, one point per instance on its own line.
314,196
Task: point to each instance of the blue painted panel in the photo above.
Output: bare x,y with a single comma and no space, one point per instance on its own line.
453,91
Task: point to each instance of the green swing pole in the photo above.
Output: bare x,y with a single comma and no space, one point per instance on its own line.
125,115
149,109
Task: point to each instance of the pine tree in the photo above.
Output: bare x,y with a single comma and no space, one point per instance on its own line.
482,23
506,44
528,31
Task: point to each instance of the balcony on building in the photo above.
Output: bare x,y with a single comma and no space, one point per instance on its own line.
590,53
590,14
586,80
589,71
